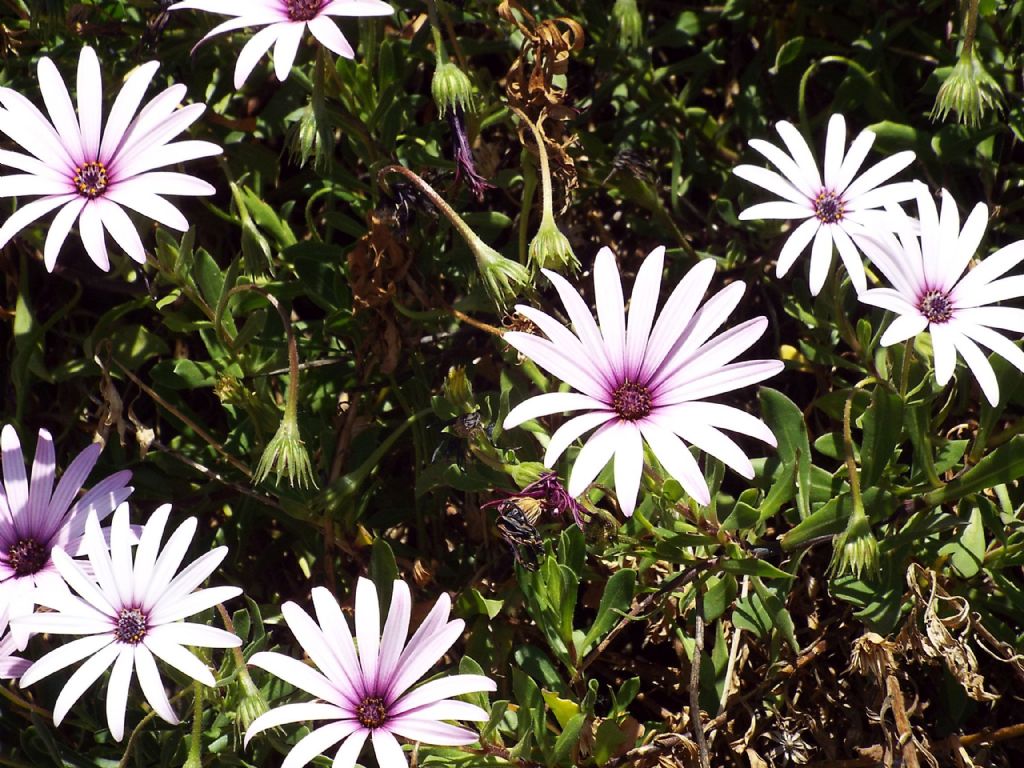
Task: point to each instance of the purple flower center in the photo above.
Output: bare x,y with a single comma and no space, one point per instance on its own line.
27,556
371,712
91,179
303,10
936,306
631,401
131,626
828,207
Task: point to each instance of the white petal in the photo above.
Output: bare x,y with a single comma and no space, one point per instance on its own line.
432,732
559,362
677,460
787,166
795,245
629,466
294,713
566,434
642,305
117,690
298,674
27,214
286,47
83,677
944,351
552,402
676,315
346,757
124,108
396,630
389,753
152,685
904,327
90,227
978,365
179,658
877,174
90,101
854,159
253,50
851,258
821,259
64,656
772,182
801,153
59,229
327,32
967,243
835,145
777,209
439,690
200,635
318,647
317,742
593,457
367,619
610,309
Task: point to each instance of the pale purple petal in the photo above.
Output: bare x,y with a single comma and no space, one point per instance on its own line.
414,665
629,466
568,346
148,549
120,227
59,228
978,365
346,757
327,32
1007,318
296,713
168,561
27,126
334,625
558,361
318,647
367,628
194,574
440,689
26,185
675,316
298,674
989,269
432,732
677,460
125,106
15,478
253,51
90,227
551,402
446,709
90,102
610,312
396,630
998,343
136,196
286,47
388,751
582,320
566,434
77,580
729,377
317,742
711,441
28,213
169,610
357,8
851,258
723,417
643,304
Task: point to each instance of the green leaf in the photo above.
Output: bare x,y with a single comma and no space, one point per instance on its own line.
786,421
1004,465
967,554
567,739
383,571
883,426
615,602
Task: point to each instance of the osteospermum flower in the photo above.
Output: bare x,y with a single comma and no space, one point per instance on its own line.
930,291
833,208
645,383
35,518
11,667
130,614
92,172
367,693
285,23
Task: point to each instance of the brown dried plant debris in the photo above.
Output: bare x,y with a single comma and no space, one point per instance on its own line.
530,85
379,271
941,616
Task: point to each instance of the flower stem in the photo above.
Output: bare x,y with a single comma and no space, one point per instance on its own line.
851,464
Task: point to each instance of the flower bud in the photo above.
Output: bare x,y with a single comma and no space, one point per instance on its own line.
630,22
458,391
286,454
856,549
969,90
550,249
451,88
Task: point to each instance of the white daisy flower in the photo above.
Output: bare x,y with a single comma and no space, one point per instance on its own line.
284,24
91,171
832,209
930,291
130,614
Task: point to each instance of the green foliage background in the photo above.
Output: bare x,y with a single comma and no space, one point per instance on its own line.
172,349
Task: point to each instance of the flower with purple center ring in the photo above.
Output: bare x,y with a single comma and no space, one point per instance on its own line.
925,263
129,612
35,518
646,382
91,171
285,23
834,207
365,690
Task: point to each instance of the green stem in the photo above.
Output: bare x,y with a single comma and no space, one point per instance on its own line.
908,352
547,201
970,25
195,747
440,53
851,464
525,204
851,64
